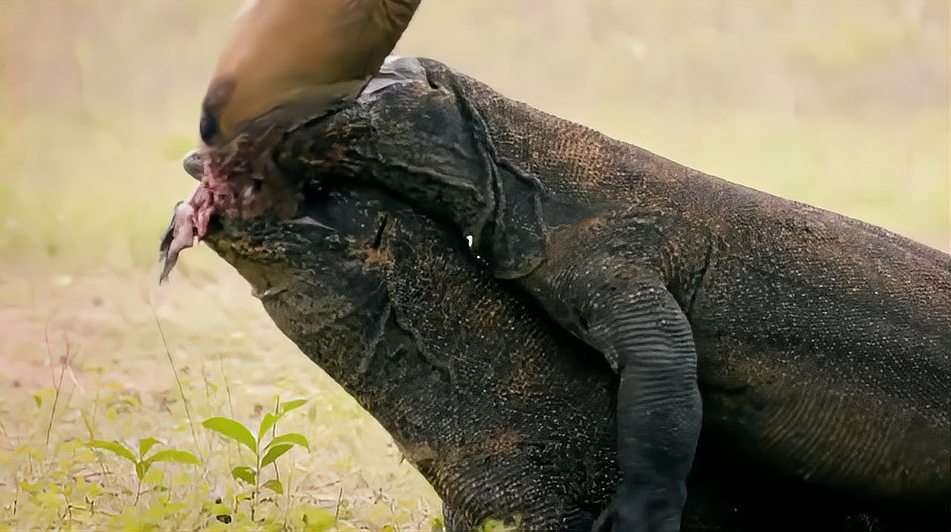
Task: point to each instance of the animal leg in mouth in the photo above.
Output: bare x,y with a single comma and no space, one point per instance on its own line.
228,187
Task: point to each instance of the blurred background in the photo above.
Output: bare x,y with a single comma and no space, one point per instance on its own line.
843,104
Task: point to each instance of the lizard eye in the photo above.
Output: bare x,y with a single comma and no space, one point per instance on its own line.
207,127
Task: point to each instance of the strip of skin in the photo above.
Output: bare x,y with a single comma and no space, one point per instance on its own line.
504,413
822,342
189,225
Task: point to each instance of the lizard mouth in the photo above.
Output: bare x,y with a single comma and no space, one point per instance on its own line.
238,204
231,187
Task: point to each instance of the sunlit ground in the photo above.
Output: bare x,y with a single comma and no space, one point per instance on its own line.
840,104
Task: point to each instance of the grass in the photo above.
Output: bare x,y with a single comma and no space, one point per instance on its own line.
843,106
64,483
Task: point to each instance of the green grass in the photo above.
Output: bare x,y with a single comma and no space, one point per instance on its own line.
840,104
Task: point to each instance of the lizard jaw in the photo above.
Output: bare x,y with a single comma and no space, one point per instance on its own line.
232,185
215,195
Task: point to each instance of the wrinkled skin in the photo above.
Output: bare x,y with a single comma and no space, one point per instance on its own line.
822,342
501,411
490,403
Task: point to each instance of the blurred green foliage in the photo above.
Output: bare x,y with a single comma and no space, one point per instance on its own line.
843,104
839,103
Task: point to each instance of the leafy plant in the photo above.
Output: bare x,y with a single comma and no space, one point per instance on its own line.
142,462
265,452
495,525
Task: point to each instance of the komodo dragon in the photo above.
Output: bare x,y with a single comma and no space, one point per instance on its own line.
492,405
502,411
822,343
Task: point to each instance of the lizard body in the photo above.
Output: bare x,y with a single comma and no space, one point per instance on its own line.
821,343
502,412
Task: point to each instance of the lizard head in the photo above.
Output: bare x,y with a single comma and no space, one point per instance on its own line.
417,131
335,241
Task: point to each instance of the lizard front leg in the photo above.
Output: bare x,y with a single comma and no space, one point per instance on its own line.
639,327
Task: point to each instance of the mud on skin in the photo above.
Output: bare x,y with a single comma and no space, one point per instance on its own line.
501,411
821,344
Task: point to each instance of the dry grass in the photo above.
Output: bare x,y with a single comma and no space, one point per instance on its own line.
841,104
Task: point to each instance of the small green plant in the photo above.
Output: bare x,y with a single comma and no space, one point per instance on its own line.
265,452
142,462
494,525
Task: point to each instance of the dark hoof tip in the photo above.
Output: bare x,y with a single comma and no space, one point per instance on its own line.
208,127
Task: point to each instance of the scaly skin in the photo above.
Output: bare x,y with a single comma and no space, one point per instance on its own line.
822,342
472,386
503,412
